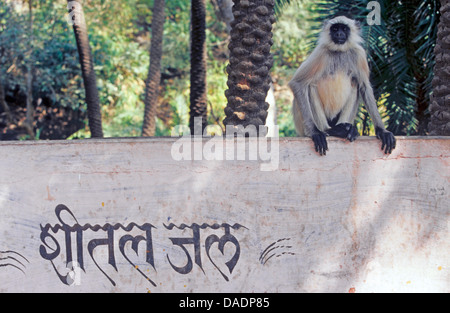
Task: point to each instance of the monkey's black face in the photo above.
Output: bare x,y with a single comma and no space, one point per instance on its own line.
339,33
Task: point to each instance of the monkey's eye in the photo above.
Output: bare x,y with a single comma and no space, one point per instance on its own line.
346,29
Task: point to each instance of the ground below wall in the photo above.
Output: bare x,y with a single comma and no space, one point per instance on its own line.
214,215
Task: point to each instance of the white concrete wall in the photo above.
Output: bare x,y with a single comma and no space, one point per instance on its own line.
353,221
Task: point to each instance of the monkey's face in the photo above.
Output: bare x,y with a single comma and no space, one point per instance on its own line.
339,33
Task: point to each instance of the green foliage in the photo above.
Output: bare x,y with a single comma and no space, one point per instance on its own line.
50,49
400,54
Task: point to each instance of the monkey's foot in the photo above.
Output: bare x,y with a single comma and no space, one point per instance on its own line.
345,130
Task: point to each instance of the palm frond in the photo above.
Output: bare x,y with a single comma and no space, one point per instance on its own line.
280,4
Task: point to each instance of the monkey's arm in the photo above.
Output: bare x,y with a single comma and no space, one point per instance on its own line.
387,138
302,100
301,86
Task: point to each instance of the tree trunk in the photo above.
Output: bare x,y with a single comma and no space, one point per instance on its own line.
422,104
3,103
224,11
440,103
154,72
250,63
29,120
87,68
198,98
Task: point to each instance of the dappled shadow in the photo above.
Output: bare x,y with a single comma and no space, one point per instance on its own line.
355,220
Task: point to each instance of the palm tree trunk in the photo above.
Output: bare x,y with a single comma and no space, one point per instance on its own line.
422,104
440,103
154,72
87,68
250,63
198,97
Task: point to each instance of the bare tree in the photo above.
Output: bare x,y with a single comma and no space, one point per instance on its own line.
87,68
224,10
29,120
154,72
198,97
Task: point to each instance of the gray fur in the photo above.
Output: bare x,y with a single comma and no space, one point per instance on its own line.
325,61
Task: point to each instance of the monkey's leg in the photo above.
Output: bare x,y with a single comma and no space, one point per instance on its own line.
345,130
343,127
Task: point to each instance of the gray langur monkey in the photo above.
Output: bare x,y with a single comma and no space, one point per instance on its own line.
330,85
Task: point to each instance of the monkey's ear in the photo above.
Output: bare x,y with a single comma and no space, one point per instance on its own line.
358,24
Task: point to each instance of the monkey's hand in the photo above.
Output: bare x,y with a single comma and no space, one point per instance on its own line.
320,142
387,138
345,130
